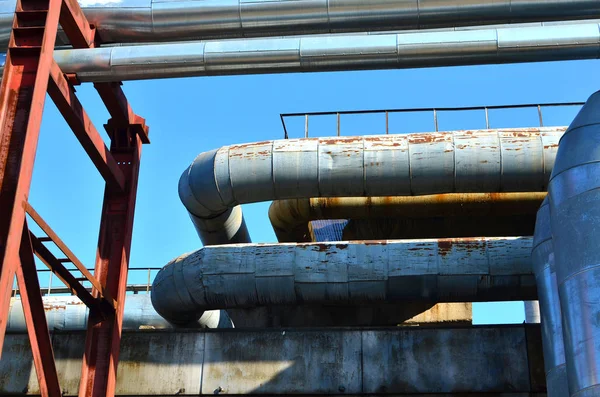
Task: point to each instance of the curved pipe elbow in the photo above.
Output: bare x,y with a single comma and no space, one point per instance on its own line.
389,165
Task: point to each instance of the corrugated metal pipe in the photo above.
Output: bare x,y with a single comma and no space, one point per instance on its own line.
333,52
68,313
290,218
218,181
162,20
574,194
549,305
444,270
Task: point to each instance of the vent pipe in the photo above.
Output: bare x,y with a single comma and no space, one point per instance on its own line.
217,182
574,194
159,20
549,305
290,218
333,52
444,270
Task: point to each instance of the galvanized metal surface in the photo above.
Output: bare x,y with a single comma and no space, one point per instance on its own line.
335,52
67,313
575,221
549,305
444,270
510,160
314,361
532,312
290,218
164,20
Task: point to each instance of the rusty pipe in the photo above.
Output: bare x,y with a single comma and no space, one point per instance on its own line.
290,218
350,273
218,181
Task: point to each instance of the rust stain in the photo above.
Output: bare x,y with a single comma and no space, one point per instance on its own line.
428,138
444,247
340,141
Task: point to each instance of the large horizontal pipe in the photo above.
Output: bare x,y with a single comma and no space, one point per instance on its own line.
161,20
334,52
444,270
511,160
290,218
68,313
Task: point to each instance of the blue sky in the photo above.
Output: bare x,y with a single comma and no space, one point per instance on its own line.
191,115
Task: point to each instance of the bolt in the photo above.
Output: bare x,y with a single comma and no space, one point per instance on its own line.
218,390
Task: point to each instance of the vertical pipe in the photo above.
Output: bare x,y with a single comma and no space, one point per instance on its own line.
387,123
148,283
306,126
544,268
338,124
50,283
540,115
487,119
435,120
575,220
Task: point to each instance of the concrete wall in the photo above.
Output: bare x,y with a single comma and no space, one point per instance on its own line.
506,360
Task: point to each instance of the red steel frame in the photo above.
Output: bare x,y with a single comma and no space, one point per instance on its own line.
30,71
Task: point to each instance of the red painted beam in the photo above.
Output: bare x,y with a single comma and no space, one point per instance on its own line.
35,318
69,106
69,254
64,275
122,115
22,96
103,338
76,25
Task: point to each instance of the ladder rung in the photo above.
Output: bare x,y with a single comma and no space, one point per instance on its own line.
25,51
64,260
44,239
30,18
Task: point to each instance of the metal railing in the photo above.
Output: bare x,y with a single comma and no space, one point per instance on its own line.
434,111
136,288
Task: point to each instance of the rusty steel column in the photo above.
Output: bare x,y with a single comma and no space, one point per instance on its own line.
23,92
101,357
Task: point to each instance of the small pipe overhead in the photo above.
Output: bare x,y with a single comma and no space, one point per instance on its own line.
218,181
290,218
444,270
574,194
333,52
544,268
159,20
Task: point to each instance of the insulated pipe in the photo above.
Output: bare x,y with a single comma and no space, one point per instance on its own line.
70,314
444,270
544,268
290,218
510,160
532,312
160,20
574,194
333,52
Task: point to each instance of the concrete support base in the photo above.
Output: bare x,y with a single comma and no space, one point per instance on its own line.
497,361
